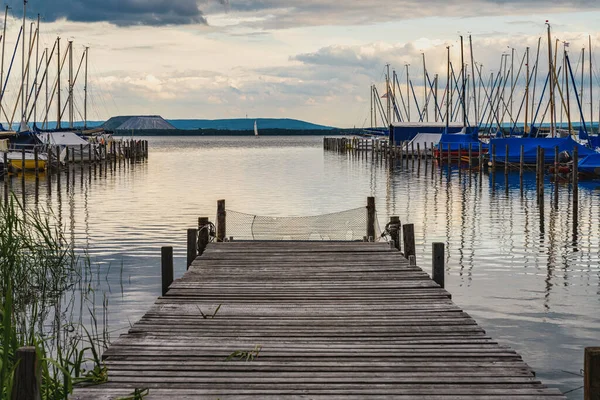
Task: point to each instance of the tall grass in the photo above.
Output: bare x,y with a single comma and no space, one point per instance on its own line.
43,281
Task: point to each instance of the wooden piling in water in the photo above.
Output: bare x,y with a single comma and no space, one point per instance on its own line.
521,161
221,221
449,154
438,259
203,234
575,188
480,157
23,162
36,160
408,235
470,156
493,157
166,267
591,372
394,229
27,377
506,160
371,215
192,246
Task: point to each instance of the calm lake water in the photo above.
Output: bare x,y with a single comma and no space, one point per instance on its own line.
523,274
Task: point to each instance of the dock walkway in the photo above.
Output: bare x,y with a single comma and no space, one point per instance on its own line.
317,320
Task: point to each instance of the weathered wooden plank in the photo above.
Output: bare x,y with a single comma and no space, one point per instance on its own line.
334,320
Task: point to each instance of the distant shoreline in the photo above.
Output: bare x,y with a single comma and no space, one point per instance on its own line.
221,132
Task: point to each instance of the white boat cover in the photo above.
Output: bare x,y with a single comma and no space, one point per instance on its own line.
61,139
423,140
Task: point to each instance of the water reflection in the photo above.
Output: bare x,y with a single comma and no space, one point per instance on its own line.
525,271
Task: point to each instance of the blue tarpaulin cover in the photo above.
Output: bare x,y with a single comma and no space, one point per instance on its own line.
590,164
530,146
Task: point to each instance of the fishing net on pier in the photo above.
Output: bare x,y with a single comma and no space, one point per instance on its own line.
344,225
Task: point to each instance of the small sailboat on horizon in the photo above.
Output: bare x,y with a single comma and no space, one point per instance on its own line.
255,129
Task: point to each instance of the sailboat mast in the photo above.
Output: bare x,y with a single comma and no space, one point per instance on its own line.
387,94
581,90
550,66
2,63
567,88
425,113
375,103
44,125
512,80
23,60
37,61
435,97
448,92
407,92
462,71
475,105
525,126
70,49
591,96
371,99
394,92
58,83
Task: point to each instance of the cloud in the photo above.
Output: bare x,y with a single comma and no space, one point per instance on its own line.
297,13
117,12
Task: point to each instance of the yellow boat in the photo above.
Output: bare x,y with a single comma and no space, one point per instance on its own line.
15,159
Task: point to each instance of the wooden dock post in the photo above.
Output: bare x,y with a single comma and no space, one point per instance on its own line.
521,161
26,381
67,160
459,156
371,219
58,158
493,157
506,161
542,170
575,188
192,246
591,371
90,152
166,267
23,162
419,151
449,154
36,161
394,230
480,157
408,234
221,221
470,156
203,234
438,258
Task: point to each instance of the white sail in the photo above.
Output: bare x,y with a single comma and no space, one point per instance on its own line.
255,129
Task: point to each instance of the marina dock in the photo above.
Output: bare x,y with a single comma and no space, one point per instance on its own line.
310,320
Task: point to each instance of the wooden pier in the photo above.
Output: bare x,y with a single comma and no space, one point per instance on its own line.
310,320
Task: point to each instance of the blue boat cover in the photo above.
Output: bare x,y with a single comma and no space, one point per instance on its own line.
461,141
594,141
590,164
530,146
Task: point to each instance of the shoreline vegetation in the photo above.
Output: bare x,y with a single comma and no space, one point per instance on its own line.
47,289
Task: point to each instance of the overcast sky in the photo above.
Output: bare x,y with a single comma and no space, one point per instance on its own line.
307,59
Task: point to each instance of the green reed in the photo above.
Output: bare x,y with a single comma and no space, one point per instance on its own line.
43,281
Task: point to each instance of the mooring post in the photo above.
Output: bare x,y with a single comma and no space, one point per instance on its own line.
438,258
506,160
221,221
419,151
26,381
166,267
36,161
203,234
493,157
480,157
394,229
371,219
192,244
408,234
521,161
542,171
591,372
58,158
459,156
23,161
449,154
575,188
470,156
